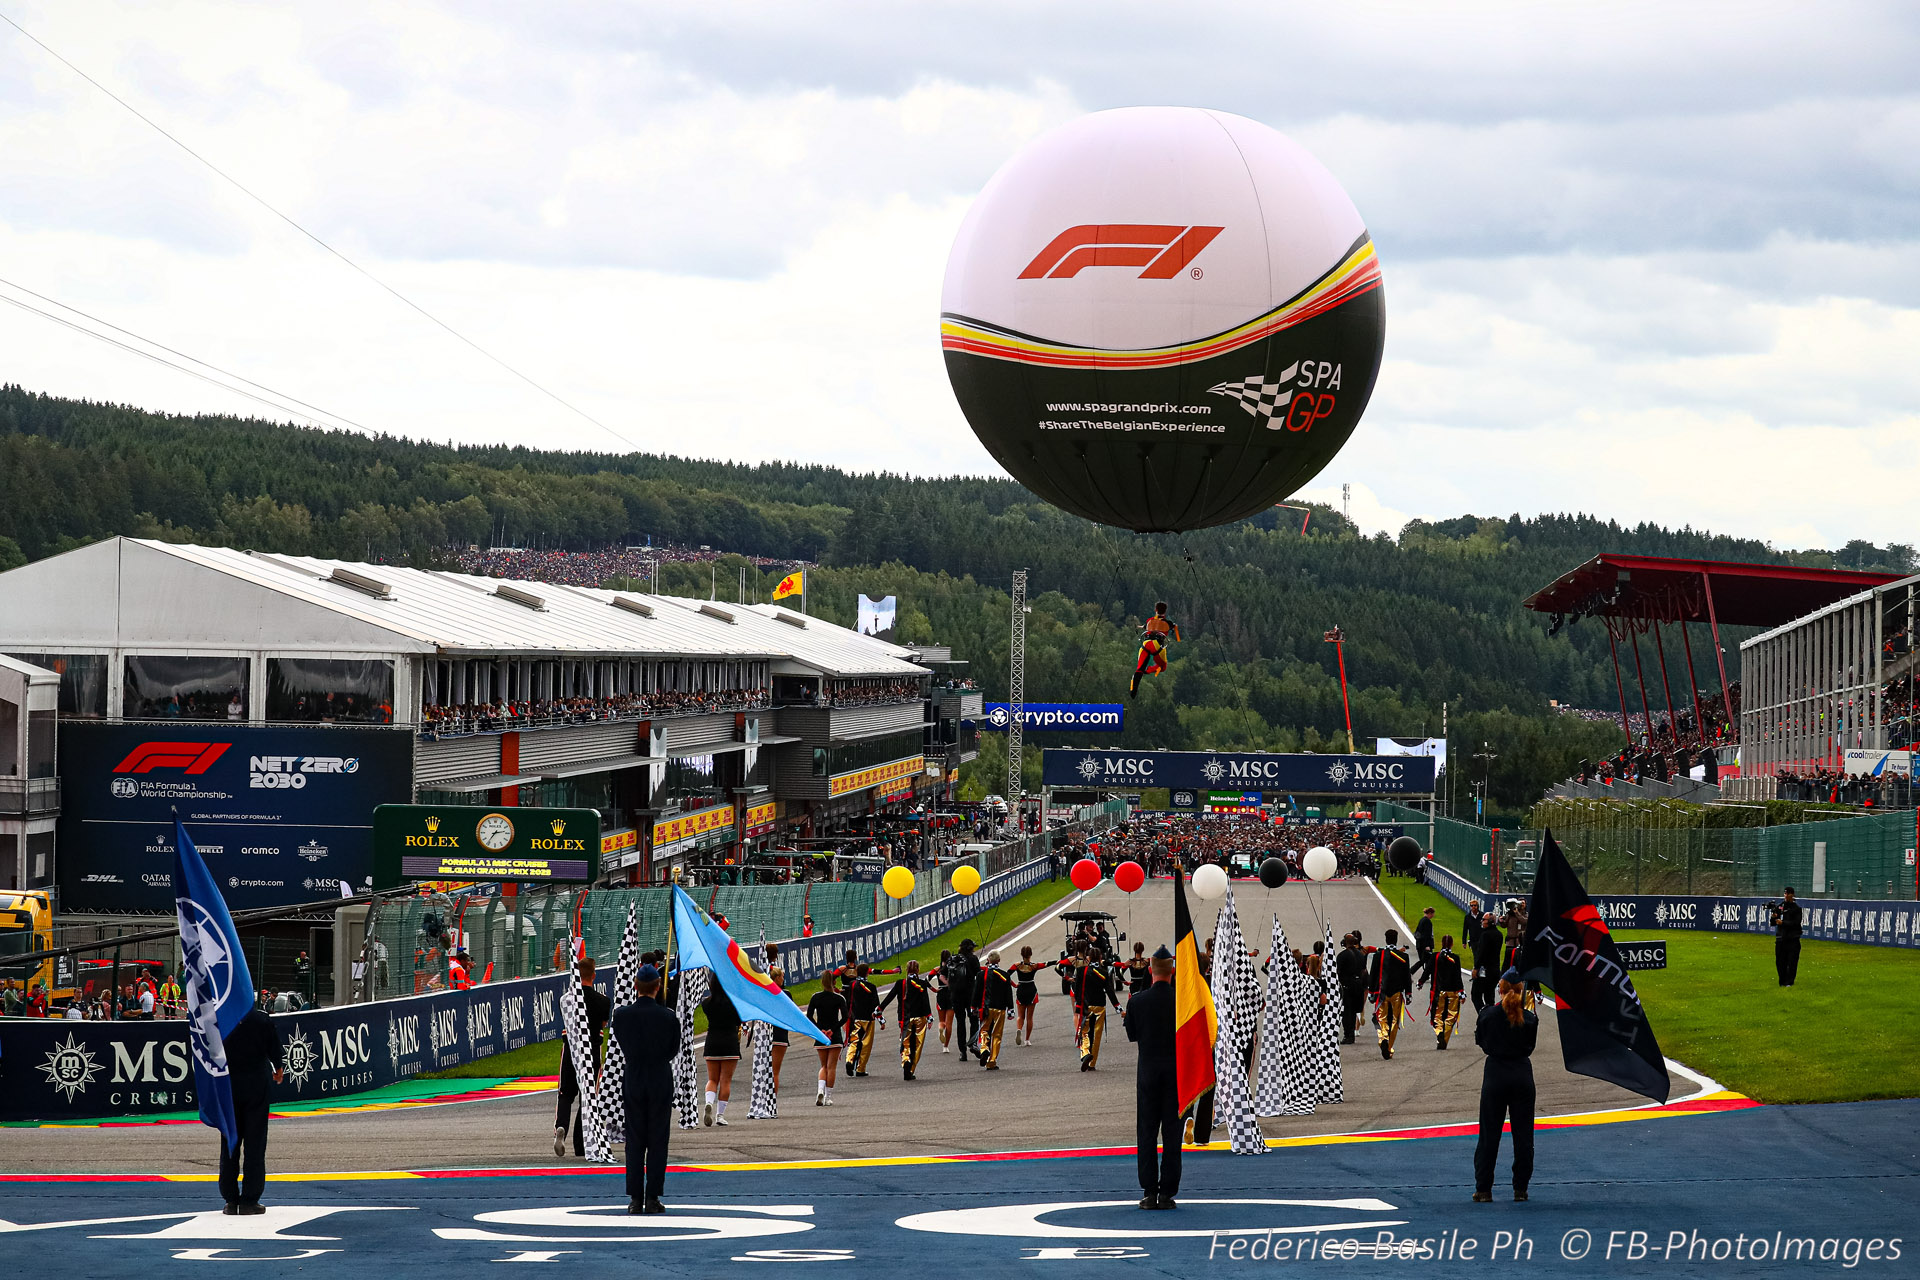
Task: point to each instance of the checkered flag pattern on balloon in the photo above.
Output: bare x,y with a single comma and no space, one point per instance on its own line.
1260,396
687,1088
764,1103
613,1112
1236,996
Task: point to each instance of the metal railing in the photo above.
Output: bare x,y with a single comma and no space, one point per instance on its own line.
29,795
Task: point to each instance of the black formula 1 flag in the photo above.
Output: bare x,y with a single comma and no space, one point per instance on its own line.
1603,1026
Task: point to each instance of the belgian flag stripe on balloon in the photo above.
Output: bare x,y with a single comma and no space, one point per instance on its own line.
1195,1024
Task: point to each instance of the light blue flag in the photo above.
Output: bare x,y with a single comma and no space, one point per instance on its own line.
705,945
219,989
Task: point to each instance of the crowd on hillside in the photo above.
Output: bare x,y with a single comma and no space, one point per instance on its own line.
440,721
591,568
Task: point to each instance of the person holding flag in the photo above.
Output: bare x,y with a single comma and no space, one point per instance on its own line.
1506,1032
1175,1028
236,1051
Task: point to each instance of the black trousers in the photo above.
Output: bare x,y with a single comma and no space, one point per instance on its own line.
1157,1124
1786,959
1423,962
1506,1093
647,1127
966,1020
1353,1002
566,1117
1483,989
243,1170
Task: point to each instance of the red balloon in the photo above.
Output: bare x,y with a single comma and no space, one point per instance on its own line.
1129,876
1085,874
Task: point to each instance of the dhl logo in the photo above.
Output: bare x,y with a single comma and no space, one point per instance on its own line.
692,824
863,778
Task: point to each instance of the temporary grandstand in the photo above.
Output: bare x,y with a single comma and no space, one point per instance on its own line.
1686,751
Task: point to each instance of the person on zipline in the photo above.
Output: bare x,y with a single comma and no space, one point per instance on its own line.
1157,633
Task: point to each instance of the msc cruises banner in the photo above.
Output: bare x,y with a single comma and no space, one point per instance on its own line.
280,814
52,1068
1873,922
1240,771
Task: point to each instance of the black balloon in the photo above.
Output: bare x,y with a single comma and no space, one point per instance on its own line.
1273,873
1404,853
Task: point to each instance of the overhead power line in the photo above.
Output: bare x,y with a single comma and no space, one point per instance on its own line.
290,221
323,416
273,399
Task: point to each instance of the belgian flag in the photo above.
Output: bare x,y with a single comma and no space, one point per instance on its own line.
1195,1023
794,584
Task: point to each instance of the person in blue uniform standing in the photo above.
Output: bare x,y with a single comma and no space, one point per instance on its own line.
254,1065
649,1034
1149,1023
1506,1033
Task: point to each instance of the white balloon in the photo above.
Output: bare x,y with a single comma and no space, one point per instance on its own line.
1319,863
1209,880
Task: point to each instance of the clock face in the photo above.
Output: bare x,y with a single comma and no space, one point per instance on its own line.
495,832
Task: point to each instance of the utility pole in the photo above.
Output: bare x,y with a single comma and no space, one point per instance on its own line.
1346,501
1016,685
1485,753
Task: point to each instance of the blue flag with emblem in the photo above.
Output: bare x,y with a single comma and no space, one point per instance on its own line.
213,970
756,996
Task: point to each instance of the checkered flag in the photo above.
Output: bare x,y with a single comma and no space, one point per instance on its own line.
765,1100
686,1087
580,1047
610,1097
1323,1045
1236,995
1285,1089
1260,396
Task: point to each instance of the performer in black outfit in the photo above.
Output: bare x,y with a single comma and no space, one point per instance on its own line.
1350,967
1026,995
254,1066
963,987
1139,971
864,999
599,1008
1487,942
996,1000
1786,938
649,1035
828,1011
1149,1024
722,1054
916,1010
1096,992
1507,1030
1423,947
1443,1003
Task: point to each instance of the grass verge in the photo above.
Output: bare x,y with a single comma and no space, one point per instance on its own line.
1718,1007
544,1059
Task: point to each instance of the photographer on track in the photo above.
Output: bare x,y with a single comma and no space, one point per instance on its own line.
1785,917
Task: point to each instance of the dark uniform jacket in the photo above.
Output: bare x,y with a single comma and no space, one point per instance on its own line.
1501,1039
1446,972
1095,988
911,994
253,1055
1351,968
1423,934
963,977
1149,1024
1789,925
1486,951
865,999
649,1034
997,989
1389,974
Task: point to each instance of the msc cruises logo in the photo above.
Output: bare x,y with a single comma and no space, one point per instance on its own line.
70,1067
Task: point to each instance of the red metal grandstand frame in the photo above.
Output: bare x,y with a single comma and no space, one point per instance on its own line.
1633,595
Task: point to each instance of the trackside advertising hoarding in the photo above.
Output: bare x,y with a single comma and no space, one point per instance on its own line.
1085,717
281,814
1240,771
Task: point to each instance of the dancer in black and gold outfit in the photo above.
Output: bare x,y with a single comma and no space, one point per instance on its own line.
916,1010
1096,993
996,998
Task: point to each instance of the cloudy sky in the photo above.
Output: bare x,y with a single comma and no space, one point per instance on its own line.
1652,261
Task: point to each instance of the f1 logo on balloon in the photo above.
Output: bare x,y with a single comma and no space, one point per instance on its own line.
1161,250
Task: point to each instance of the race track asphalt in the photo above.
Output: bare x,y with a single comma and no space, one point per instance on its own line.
1039,1100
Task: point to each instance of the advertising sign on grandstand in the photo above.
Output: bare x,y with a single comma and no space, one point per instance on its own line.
1435,747
476,842
1297,773
1085,717
281,815
1879,764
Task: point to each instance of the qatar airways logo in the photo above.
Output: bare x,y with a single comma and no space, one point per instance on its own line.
1162,252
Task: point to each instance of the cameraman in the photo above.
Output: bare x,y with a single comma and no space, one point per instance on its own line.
1786,936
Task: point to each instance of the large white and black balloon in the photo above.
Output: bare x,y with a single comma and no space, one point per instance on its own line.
1163,318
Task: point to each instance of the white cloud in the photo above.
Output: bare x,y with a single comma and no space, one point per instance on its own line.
1654,262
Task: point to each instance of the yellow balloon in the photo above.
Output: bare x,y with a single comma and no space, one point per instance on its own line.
898,882
966,879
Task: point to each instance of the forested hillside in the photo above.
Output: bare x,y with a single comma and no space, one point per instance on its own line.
1430,617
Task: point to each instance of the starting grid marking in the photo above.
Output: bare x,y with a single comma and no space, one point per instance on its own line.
1602,1194
1708,1104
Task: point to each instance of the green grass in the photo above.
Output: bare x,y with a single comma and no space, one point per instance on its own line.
1839,1034
544,1059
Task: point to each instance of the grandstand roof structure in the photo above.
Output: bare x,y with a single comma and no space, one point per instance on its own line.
1659,589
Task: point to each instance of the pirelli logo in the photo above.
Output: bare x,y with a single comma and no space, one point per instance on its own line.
878,776
1161,252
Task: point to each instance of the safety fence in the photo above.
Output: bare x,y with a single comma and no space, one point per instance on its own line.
507,938
1865,858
